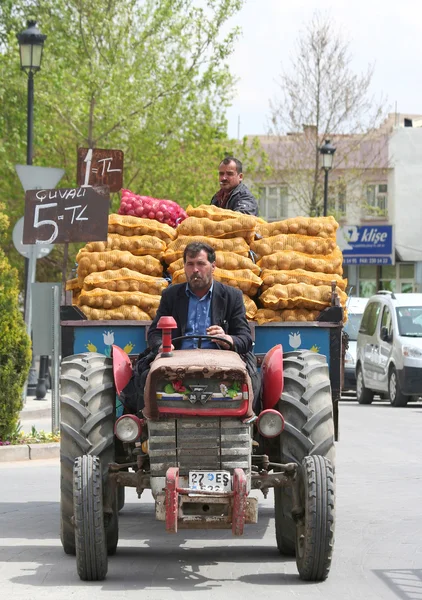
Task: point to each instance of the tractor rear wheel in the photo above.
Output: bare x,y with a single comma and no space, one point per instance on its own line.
87,408
315,526
90,535
306,406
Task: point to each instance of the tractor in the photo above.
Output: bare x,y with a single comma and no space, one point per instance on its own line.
197,444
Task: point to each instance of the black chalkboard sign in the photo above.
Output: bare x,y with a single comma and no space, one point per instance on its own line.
66,215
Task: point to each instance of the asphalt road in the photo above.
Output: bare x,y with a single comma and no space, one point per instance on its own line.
377,554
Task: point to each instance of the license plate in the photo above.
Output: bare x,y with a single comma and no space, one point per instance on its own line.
212,481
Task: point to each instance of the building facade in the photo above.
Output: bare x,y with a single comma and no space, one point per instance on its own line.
374,192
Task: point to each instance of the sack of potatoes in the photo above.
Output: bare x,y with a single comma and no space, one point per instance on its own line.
175,249
300,295
128,313
223,260
128,225
298,243
92,262
139,245
270,278
324,227
125,280
290,260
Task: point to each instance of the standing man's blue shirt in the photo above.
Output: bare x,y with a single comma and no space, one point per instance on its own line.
199,319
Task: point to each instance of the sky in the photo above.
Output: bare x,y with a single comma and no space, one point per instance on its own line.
387,35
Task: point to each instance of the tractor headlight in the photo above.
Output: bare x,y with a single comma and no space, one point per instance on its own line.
128,428
270,423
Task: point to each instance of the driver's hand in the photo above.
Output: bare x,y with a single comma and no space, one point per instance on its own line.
216,330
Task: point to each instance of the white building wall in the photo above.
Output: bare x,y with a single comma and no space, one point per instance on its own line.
405,192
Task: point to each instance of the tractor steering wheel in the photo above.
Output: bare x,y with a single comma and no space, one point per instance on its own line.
200,338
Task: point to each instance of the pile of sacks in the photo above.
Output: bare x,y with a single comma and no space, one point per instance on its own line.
284,269
123,277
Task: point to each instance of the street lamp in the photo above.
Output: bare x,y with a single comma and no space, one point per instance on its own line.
31,42
327,152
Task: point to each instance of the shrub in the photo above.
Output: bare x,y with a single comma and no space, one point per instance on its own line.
15,345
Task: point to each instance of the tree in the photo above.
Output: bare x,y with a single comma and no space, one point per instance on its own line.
15,349
321,97
149,77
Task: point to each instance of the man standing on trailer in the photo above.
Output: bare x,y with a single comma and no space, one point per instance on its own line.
233,193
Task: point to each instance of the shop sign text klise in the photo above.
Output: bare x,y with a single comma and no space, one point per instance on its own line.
60,216
366,244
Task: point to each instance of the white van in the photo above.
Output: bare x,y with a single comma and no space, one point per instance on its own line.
389,348
355,308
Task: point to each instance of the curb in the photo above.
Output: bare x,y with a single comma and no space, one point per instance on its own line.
29,452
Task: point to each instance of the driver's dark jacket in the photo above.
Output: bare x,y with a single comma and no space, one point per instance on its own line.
227,311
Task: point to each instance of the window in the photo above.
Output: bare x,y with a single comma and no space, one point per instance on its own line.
393,278
376,200
272,202
386,320
398,278
370,318
408,318
367,281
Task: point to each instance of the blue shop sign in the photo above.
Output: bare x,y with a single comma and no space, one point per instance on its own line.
366,244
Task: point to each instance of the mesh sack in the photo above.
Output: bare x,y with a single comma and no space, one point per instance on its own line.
92,262
245,280
128,225
270,278
139,245
297,243
267,315
99,298
128,313
175,249
215,213
223,260
209,211
242,226
125,280
324,227
300,295
250,307
289,260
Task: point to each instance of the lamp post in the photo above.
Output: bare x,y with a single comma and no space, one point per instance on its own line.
31,42
327,152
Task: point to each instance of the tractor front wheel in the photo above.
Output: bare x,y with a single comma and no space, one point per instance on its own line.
315,526
90,535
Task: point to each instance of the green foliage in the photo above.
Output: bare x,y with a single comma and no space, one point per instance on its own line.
15,352
149,77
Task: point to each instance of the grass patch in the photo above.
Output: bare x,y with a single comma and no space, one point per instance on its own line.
19,437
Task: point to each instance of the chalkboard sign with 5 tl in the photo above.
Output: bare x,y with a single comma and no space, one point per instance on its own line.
60,216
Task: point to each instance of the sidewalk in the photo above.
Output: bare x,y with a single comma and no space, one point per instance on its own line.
35,413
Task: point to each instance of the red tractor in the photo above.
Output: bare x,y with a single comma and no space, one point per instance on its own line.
200,448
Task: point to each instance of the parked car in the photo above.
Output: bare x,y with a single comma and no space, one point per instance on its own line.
355,308
389,348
